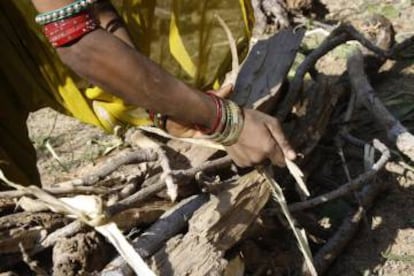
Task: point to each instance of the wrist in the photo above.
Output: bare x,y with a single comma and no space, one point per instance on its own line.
209,121
228,123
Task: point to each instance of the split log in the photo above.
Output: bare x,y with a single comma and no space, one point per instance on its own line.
214,228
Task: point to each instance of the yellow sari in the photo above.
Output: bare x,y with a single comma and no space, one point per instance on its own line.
181,35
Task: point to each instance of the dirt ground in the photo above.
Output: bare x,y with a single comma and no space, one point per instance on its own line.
385,243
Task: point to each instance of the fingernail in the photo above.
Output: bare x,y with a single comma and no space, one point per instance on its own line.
291,155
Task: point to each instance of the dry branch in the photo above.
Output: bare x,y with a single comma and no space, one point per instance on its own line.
156,184
328,253
138,156
58,191
349,187
398,134
338,36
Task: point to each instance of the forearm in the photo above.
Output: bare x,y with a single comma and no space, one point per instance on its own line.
113,65
110,61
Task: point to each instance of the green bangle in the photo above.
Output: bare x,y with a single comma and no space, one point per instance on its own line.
64,12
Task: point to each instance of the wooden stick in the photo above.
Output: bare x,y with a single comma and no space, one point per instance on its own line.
330,251
58,191
156,185
338,36
396,132
166,227
348,187
110,166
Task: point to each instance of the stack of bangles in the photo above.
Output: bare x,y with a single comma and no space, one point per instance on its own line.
69,23
228,123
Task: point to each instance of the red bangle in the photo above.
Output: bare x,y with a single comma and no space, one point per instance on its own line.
65,31
219,114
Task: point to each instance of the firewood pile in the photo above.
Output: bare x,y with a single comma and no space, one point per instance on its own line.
187,210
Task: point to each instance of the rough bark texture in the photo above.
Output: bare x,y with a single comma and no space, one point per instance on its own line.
214,228
80,254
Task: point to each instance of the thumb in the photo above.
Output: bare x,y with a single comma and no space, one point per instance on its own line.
224,91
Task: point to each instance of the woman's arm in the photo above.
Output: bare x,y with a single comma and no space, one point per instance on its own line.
111,63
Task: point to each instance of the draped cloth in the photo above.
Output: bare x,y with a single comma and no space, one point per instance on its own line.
182,36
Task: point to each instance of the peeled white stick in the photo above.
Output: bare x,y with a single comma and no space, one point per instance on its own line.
300,235
298,176
124,248
147,143
89,209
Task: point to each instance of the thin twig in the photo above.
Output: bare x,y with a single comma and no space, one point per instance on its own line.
335,39
232,75
59,191
65,232
212,165
348,187
156,184
110,166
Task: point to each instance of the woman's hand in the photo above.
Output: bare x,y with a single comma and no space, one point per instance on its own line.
262,138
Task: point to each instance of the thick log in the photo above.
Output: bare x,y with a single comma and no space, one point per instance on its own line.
214,228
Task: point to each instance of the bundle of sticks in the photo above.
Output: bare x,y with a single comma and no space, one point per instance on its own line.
223,219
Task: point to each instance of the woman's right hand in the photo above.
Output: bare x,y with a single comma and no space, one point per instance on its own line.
262,138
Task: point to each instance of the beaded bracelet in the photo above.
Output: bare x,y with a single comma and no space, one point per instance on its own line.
68,30
64,12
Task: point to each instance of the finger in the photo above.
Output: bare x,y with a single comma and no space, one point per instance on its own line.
277,157
283,143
